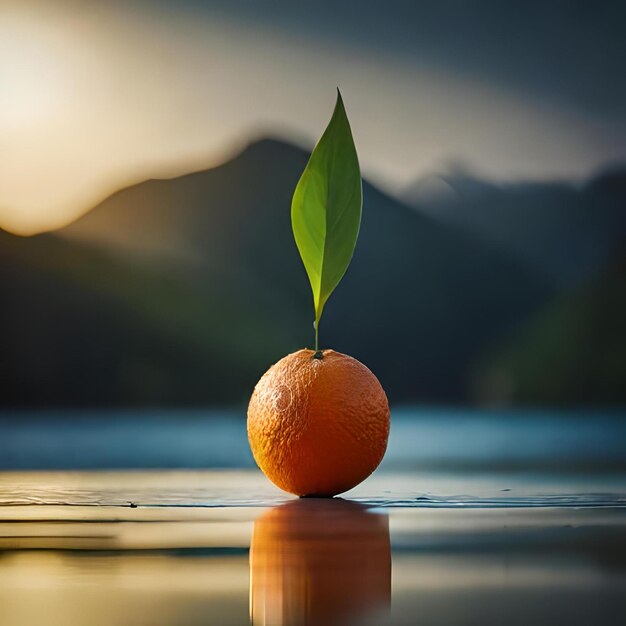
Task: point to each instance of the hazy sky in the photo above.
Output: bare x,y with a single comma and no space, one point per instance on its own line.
95,95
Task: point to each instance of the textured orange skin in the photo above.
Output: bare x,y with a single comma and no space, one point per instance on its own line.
318,427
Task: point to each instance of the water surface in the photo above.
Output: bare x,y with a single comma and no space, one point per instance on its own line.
473,518
225,547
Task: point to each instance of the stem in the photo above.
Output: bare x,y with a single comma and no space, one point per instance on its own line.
318,354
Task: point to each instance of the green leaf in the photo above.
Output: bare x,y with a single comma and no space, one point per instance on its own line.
326,208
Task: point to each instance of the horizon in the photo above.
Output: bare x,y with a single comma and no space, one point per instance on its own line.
100,97
453,170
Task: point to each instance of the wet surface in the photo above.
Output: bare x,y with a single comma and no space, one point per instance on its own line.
225,547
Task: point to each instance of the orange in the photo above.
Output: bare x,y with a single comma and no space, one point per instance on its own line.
320,563
318,426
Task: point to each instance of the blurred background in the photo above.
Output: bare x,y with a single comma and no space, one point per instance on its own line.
147,268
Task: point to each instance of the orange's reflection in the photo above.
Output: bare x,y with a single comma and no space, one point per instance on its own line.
319,562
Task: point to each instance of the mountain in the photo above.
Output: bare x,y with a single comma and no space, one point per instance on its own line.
573,351
81,327
564,232
183,291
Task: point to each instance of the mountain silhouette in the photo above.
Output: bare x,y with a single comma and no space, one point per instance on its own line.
183,291
565,232
572,351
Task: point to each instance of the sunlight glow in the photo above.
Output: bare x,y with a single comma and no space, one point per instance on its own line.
31,78
97,96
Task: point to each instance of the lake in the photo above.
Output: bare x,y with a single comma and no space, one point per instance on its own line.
475,517
442,438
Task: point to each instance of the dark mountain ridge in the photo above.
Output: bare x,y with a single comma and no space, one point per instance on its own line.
565,232
183,291
571,352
